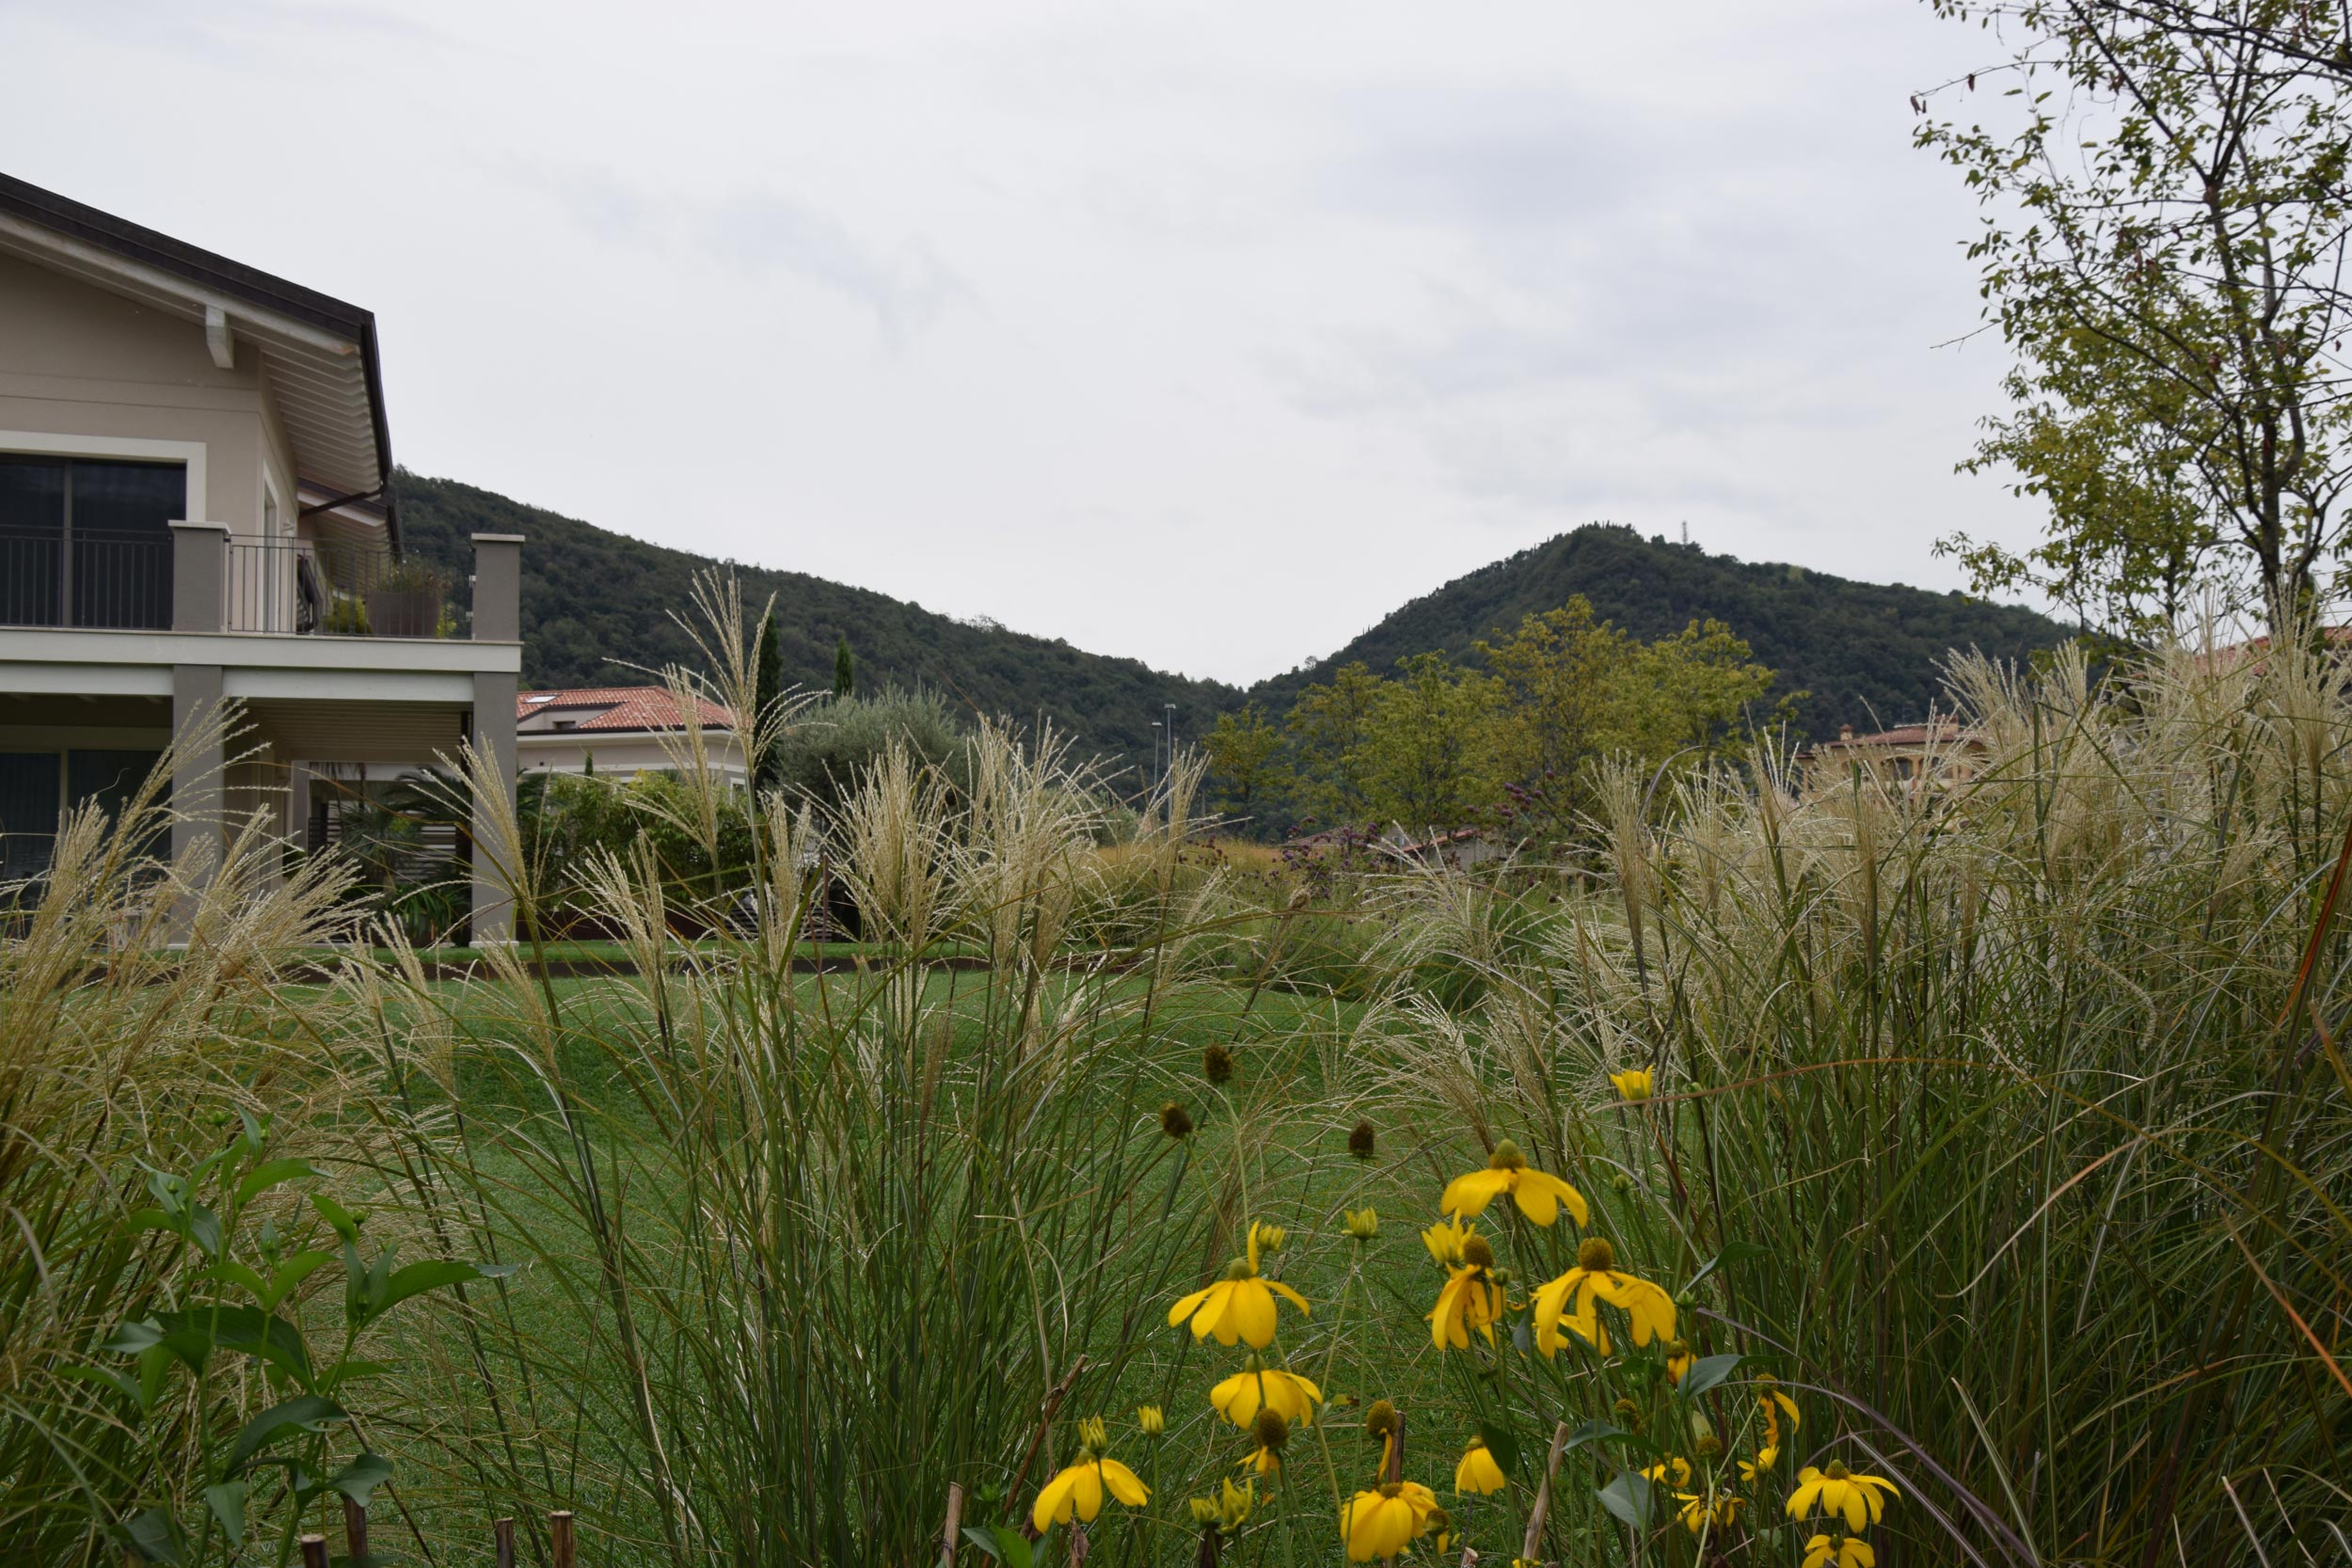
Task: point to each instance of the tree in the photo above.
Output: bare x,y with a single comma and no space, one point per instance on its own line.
1688,692
2165,251
844,670
768,697
1330,725
1557,677
1244,752
1426,758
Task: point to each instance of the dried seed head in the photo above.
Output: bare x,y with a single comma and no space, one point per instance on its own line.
1594,1255
1175,1120
1361,1141
1380,1420
1217,1065
1270,1430
1476,1253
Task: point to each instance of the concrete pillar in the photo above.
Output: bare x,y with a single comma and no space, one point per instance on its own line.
498,587
497,582
199,576
198,795
494,738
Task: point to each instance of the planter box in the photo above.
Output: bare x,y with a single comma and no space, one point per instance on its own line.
404,611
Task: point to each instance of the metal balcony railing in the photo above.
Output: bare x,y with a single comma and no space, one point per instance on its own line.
328,587
92,577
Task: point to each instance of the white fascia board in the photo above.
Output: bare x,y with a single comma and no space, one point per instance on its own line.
348,686
92,647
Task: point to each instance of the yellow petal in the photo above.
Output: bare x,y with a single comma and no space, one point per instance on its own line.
1468,1195
1186,1305
1291,1296
1053,1500
1123,1484
1808,1489
1086,1491
1254,1312
1236,1398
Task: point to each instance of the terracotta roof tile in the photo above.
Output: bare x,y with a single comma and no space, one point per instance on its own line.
618,708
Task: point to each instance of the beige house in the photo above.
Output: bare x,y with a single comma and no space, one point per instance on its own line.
1941,750
619,732
195,506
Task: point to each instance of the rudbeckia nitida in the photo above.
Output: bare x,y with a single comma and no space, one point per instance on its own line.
1540,1196
1239,1306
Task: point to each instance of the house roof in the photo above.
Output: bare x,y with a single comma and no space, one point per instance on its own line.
609,708
1943,730
320,352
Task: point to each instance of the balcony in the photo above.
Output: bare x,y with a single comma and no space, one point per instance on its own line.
151,581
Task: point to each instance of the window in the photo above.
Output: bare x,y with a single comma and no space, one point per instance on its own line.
86,543
36,788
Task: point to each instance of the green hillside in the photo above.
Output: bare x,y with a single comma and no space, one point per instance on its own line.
595,602
1869,653
590,598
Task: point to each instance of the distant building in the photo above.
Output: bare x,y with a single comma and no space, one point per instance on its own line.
1942,750
624,730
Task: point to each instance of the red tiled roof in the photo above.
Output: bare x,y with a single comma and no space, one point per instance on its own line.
618,708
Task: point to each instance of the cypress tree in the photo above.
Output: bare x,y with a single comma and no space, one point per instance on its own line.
766,691
844,670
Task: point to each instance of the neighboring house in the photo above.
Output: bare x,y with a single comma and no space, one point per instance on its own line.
621,730
1943,749
194,506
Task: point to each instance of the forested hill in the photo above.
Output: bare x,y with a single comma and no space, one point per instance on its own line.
590,596
1867,653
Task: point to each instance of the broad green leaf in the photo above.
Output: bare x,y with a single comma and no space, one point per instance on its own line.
1001,1543
288,1275
263,1177
247,1329
154,1367
227,1501
133,1339
335,1215
432,1275
1628,1498
229,1272
1502,1443
107,1377
303,1413
204,1230
344,1371
360,1479
1706,1372
154,1535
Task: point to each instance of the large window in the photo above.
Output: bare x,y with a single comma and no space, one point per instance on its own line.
37,787
84,543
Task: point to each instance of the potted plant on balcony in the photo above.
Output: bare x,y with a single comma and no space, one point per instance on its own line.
406,601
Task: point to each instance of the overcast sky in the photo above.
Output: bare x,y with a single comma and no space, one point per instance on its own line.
1204,334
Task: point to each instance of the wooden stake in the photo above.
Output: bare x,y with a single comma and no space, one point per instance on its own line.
314,1551
560,1531
1543,1495
503,1532
355,1529
953,1532
1044,1425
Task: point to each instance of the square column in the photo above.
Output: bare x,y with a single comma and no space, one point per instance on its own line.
199,576
197,782
494,738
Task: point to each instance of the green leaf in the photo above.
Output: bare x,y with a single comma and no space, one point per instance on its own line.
154,1366
154,1535
1628,1498
107,1377
1001,1543
204,1230
134,1338
344,1371
1591,1432
335,1215
288,1275
1733,1252
229,1272
246,1329
227,1501
432,1275
262,1178
303,1413
1502,1443
1706,1372
360,1479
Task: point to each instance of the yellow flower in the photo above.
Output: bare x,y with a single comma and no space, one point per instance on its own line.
1765,1458
1681,1469
1077,1491
1478,1472
1596,1280
1152,1419
1378,1523
1538,1195
1470,1298
1227,1511
1695,1509
1258,1386
1769,1396
1240,1305
1679,1360
1846,1551
1445,1241
1838,1490
1635,1084
1272,1434
1363,1224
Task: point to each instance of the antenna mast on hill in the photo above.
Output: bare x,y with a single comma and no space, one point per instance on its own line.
1686,533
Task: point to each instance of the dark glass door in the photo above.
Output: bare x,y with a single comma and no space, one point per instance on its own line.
88,544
